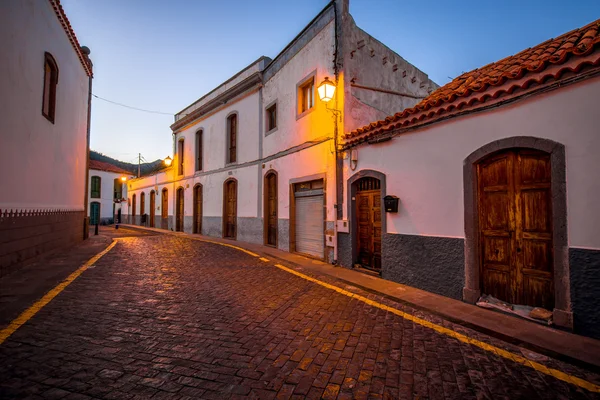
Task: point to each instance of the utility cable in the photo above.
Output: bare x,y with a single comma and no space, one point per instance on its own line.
133,108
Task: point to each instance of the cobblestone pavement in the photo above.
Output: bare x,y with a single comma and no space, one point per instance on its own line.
169,317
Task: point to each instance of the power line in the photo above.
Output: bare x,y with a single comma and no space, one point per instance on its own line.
133,108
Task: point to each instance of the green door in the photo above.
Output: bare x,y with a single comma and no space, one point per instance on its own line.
94,213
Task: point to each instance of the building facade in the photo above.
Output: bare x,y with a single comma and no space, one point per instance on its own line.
107,202
255,159
496,176
45,86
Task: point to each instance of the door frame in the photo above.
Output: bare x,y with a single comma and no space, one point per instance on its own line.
352,217
265,208
562,313
197,219
179,213
224,213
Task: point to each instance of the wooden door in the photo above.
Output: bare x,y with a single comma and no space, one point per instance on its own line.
94,213
143,208
515,223
179,211
164,210
152,207
271,209
230,208
368,216
197,209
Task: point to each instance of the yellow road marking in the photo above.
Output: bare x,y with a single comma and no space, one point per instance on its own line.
459,336
38,305
264,259
227,245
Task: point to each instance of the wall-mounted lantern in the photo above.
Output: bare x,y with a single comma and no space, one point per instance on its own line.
168,161
391,203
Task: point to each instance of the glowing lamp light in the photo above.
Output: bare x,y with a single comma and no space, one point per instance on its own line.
168,161
326,90
123,178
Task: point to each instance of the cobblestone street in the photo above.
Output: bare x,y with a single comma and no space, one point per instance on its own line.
169,317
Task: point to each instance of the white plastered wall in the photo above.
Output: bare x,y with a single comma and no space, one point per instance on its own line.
424,168
43,163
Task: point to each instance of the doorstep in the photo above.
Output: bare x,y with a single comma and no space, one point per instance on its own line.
550,341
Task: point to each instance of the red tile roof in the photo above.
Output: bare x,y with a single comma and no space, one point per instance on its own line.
104,166
549,60
62,17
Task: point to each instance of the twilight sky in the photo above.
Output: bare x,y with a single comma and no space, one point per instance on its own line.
163,55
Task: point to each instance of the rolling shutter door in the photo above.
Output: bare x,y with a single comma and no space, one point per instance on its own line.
309,224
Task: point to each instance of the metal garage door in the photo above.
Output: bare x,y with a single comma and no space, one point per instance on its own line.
309,223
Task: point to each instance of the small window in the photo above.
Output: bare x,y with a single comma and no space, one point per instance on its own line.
232,138
118,189
272,117
180,156
95,190
199,150
50,82
306,95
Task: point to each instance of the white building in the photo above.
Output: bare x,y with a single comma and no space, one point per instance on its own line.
45,82
498,179
107,193
255,159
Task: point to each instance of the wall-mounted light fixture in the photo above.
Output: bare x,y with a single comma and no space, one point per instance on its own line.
168,161
326,91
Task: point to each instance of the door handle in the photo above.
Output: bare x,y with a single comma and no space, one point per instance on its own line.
518,249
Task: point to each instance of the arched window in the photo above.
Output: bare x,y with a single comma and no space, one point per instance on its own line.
95,187
199,150
50,82
232,124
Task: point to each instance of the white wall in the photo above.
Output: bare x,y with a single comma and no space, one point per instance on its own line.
43,163
106,192
424,168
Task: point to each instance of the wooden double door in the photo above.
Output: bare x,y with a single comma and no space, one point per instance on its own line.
515,227
270,213
368,216
179,210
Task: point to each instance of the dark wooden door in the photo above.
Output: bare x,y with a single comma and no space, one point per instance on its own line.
271,209
179,211
230,206
198,209
152,207
368,212
94,213
164,210
515,223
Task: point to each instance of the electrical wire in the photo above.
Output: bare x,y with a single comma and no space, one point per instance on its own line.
133,108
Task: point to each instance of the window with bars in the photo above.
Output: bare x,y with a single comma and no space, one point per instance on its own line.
199,150
50,82
368,183
95,187
232,138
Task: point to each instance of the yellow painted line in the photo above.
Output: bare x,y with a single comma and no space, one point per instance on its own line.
264,259
38,305
226,245
459,336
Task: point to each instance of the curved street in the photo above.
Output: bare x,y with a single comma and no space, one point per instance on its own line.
162,316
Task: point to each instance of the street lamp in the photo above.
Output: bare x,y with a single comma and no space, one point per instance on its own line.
326,90
168,161
123,178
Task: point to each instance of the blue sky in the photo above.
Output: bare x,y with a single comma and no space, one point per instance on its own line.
163,55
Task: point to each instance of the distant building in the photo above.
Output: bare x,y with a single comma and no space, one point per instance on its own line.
255,158
107,193
497,175
45,88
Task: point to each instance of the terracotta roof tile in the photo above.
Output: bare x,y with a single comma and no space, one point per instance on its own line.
550,59
104,166
62,17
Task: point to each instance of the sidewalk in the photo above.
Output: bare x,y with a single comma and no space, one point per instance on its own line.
552,342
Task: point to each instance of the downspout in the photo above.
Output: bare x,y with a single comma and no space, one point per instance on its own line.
338,159
86,51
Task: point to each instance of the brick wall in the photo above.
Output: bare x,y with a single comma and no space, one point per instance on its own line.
28,234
